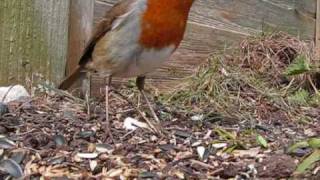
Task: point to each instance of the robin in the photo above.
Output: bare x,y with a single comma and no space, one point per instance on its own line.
134,38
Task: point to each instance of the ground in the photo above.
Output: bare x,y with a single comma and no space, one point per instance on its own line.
223,123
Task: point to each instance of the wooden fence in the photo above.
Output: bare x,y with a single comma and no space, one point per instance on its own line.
33,39
45,37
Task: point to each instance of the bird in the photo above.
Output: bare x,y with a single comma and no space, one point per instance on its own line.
134,38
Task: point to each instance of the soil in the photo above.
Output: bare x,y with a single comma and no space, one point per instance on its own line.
52,136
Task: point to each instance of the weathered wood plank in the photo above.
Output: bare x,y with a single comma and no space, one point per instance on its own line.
33,40
80,29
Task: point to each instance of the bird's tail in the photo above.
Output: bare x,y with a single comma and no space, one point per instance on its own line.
71,79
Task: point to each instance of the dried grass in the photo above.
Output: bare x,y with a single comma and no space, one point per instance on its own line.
248,84
270,55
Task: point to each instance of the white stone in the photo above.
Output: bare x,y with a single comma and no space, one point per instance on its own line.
12,93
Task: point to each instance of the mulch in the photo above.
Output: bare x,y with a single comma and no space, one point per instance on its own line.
52,136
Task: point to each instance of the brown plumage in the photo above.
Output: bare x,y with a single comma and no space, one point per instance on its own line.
133,38
100,30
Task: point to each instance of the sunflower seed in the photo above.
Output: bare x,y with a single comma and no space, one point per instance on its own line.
6,143
87,155
59,140
11,167
18,156
86,134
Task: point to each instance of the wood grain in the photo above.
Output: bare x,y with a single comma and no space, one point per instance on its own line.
80,29
37,36
217,25
33,40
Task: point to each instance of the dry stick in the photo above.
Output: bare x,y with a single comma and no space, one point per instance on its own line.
150,106
62,93
312,84
87,86
152,126
107,127
207,166
169,166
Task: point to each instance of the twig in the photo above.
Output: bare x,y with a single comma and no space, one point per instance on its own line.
107,125
312,84
152,126
23,104
207,166
63,93
174,163
150,106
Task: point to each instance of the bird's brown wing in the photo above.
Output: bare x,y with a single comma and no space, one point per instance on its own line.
100,30
103,27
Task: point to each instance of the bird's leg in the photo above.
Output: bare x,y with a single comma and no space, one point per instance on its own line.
107,124
140,84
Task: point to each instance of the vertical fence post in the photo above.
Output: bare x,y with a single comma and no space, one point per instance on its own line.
80,28
317,36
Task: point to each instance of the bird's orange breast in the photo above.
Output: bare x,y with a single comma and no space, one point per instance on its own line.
164,22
